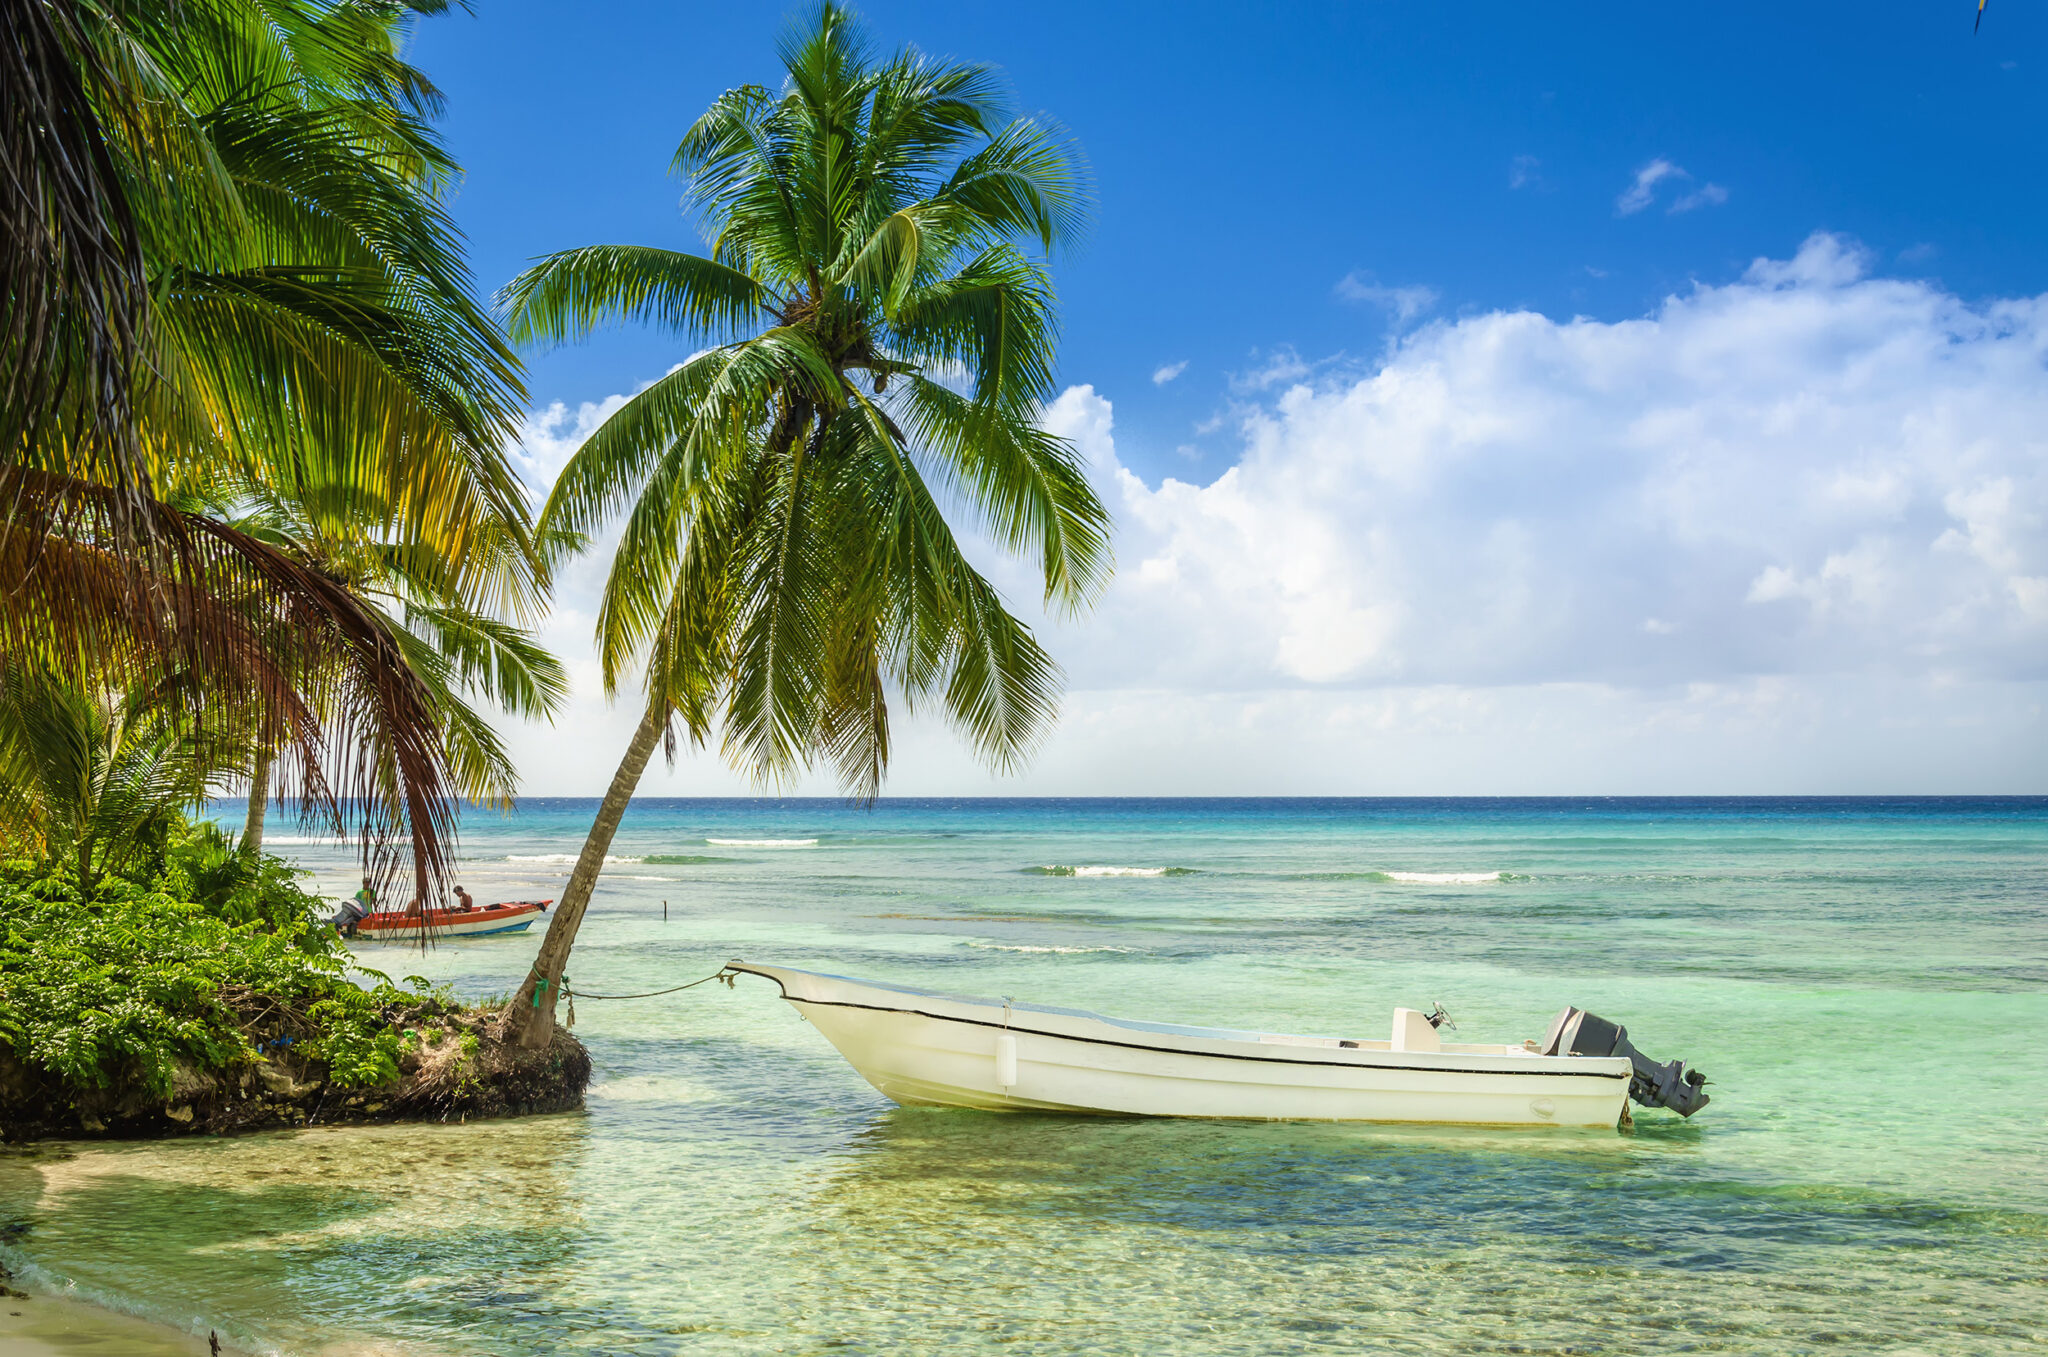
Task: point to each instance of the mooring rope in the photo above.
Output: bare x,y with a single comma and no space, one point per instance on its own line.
720,974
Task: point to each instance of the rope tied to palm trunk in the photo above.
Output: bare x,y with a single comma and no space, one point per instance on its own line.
569,995
722,973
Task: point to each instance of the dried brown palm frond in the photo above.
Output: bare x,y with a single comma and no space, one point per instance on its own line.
285,645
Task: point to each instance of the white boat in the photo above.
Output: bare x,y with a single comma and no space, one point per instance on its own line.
920,1047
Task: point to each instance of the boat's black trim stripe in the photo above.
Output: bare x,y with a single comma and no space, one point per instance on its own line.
1169,1050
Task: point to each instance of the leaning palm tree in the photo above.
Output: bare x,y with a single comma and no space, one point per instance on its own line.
881,328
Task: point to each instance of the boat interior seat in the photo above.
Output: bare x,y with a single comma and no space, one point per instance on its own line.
1413,1032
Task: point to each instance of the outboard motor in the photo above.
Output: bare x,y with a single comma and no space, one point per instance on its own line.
1672,1085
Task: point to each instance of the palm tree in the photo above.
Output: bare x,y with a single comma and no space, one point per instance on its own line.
439,619
228,267
95,779
882,337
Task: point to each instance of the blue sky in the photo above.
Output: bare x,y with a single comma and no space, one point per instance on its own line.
1494,399
1249,158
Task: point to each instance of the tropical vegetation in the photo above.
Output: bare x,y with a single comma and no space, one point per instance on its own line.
123,983
260,532
252,420
459,651
195,989
875,324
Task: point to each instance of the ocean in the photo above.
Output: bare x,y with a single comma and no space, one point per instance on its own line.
1864,981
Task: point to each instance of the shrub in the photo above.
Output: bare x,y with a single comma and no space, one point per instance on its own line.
114,984
205,866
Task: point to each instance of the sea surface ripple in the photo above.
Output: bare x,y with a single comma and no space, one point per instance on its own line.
1865,981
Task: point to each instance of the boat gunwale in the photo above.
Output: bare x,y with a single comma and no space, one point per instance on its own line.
383,919
439,932
1336,1059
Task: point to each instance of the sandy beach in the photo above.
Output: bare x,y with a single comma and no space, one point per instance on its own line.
56,1326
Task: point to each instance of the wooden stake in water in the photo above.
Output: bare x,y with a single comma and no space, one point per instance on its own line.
664,911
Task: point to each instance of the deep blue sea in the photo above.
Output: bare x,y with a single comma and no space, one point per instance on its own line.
1865,982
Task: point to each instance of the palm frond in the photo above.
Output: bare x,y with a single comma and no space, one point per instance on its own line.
567,295
253,629
74,291
1026,485
784,571
233,286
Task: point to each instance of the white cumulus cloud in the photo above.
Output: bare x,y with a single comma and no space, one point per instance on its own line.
548,438
1808,470
1780,534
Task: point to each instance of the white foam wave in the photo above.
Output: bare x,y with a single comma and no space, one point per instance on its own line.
1442,878
1057,869
565,859
763,843
1025,947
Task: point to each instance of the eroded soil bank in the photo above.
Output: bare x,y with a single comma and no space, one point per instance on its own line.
454,1069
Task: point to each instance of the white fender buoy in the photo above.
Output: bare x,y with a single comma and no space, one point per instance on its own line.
1006,1060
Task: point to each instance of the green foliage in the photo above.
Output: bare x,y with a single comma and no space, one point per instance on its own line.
876,328
203,865
434,615
94,778
234,286
114,985
357,1043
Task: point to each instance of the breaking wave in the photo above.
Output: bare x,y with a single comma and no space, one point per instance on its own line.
1057,869
1027,947
565,859
1436,878
1068,870
762,843
679,859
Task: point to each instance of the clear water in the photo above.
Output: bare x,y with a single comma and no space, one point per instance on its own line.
1865,982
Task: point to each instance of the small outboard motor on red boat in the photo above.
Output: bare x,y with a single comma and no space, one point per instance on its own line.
1672,1085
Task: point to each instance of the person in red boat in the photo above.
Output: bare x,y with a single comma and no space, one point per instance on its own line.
355,909
463,901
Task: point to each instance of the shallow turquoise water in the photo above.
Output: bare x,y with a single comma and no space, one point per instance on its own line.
1865,982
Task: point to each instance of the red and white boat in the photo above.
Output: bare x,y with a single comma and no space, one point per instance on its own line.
397,925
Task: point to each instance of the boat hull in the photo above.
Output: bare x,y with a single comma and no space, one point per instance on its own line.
444,924
950,1051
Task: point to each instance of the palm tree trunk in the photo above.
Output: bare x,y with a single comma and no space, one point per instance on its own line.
259,802
530,1020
